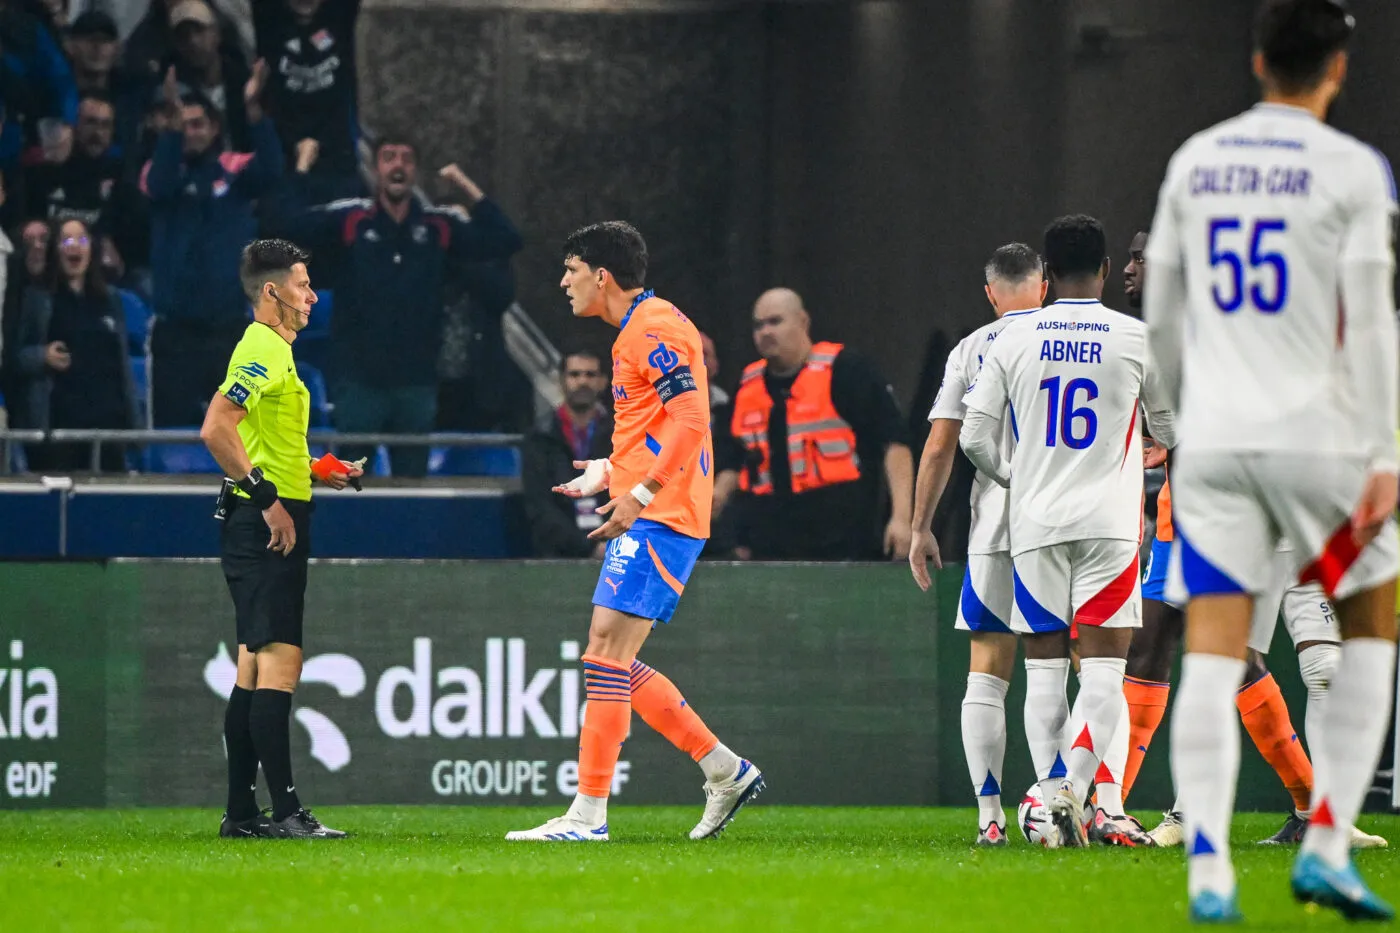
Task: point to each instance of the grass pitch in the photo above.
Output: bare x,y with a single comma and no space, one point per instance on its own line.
776,868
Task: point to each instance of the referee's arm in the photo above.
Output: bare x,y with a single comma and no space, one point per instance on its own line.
220,434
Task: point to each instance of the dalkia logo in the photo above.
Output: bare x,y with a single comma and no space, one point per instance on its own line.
340,671
505,698
33,699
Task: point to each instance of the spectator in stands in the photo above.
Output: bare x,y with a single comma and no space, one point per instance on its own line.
580,429
204,66
153,40
93,48
72,338
202,199
392,256
813,420
310,48
90,184
36,83
92,45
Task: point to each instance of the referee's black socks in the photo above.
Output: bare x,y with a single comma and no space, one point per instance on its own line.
268,720
242,757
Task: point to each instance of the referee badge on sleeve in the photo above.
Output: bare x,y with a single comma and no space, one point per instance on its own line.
238,394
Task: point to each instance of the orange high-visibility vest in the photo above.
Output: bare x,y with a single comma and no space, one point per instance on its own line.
821,445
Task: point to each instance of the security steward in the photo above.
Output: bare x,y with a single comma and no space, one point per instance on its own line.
812,420
256,429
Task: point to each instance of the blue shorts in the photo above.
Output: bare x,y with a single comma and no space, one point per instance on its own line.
645,570
1154,577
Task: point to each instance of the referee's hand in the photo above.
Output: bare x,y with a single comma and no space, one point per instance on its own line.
284,532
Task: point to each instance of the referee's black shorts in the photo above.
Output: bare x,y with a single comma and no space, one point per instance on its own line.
268,589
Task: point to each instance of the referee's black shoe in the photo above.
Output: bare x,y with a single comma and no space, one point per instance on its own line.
250,828
301,825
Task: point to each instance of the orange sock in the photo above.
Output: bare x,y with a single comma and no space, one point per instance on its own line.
605,723
1265,716
1147,704
662,707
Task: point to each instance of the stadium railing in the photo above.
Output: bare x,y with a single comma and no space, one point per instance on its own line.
319,441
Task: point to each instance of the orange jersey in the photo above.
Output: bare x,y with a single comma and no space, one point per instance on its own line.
658,344
1164,512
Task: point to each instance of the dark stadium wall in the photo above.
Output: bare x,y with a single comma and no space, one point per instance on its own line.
911,139
868,154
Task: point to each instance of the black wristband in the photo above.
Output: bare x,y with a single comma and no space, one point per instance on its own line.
262,491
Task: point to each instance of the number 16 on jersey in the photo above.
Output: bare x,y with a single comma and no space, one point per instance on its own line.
1066,420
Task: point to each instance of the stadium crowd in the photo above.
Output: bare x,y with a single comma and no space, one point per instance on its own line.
135,171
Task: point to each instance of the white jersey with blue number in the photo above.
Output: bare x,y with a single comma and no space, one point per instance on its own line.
1074,375
1257,219
989,534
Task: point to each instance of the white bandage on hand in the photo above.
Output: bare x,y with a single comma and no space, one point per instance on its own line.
594,478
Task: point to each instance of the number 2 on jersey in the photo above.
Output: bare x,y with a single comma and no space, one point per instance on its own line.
1263,264
1061,415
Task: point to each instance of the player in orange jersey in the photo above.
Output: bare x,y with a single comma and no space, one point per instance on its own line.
660,483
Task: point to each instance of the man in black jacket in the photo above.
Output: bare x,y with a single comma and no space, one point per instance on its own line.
580,429
390,259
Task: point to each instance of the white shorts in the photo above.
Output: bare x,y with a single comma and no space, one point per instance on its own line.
1231,511
1093,582
985,603
1306,610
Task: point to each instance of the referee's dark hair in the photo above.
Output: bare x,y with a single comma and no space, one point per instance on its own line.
266,261
1075,247
614,245
1298,37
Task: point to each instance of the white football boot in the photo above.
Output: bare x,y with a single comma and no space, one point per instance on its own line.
724,798
1170,832
564,828
1067,814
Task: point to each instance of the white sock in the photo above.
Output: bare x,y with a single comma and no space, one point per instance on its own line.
1205,746
719,764
1354,720
1115,762
592,811
984,743
1317,665
1101,703
1046,710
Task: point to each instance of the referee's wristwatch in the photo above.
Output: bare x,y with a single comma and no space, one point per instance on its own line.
261,490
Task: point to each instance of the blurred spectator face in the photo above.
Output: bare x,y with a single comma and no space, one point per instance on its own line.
35,236
396,167
583,381
200,129
196,33
303,9
96,121
707,346
93,52
74,249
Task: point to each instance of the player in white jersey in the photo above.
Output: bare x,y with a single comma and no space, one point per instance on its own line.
1071,379
1015,287
1272,319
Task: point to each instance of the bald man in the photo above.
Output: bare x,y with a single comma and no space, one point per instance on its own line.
815,422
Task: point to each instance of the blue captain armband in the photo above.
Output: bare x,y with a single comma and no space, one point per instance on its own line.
676,382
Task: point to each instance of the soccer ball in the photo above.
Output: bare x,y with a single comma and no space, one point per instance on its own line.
1033,817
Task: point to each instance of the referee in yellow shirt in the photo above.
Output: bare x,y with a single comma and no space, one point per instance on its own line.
256,430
